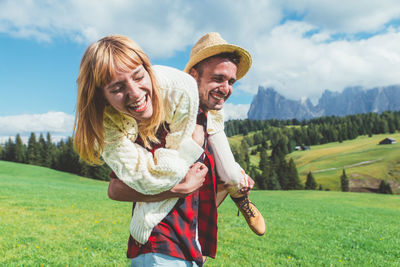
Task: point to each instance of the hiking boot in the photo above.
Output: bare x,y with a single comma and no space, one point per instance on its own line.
253,217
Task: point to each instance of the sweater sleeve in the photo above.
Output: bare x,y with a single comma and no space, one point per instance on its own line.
227,168
181,103
137,168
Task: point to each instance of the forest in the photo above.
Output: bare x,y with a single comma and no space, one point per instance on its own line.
272,140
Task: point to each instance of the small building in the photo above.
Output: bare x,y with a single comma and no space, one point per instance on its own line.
387,141
301,148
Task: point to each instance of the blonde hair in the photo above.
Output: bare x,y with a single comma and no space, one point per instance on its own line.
98,68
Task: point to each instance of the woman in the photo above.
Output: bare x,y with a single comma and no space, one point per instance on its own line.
119,100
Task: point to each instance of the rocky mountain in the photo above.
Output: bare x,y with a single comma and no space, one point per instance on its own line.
269,104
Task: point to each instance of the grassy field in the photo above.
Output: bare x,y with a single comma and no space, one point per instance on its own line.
362,158
50,218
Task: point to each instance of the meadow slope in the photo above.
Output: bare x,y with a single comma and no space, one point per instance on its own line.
365,162
50,218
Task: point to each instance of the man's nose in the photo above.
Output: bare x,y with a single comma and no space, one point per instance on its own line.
226,88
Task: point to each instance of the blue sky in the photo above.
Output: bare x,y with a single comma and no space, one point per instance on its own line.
300,48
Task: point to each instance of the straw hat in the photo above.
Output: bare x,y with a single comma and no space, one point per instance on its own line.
212,44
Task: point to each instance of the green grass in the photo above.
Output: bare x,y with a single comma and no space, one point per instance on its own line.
384,165
50,218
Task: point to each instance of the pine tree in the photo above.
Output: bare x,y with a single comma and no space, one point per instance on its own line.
33,150
68,159
310,182
19,149
41,147
279,148
48,152
263,159
344,182
95,172
260,181
385,188
293,176
257,138
280,167
272,181
9,150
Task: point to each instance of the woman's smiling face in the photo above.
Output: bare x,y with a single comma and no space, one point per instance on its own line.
131,93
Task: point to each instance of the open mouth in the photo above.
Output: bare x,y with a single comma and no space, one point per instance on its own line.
218,95
140,105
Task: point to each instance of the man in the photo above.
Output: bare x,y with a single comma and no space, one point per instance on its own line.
216,66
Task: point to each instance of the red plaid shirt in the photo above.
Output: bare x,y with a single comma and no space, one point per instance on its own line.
175,235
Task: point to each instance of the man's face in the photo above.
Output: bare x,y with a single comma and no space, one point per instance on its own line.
215,82
131,93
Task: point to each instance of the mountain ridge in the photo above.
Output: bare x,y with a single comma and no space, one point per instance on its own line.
269,104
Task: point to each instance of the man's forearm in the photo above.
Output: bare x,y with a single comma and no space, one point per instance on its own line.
118,190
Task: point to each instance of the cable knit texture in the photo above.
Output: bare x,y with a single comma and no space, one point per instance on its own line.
137,167
215,121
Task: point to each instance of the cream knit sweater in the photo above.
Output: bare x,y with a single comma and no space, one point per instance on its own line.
137,167
149,174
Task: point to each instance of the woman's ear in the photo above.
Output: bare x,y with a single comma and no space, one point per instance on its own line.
100,98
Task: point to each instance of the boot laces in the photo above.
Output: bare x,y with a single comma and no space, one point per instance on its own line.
245,206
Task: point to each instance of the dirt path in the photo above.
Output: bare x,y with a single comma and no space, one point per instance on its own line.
349,166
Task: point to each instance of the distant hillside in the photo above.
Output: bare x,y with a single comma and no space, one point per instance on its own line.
366,163
269,104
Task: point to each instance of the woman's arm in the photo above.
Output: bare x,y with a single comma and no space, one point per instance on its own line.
118,190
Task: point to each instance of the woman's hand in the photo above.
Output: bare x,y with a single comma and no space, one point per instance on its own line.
245,190
193,180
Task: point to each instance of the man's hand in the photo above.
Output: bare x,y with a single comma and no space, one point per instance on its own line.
198,135
193,180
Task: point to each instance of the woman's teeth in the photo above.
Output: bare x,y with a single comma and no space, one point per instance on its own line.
138,106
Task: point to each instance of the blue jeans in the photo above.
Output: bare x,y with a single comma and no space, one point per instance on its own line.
158,259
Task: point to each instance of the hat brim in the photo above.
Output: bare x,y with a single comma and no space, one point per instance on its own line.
242,68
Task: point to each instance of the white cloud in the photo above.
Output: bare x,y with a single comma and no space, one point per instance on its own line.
160,27
346,16
58,123
233,112
299,65
298,58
